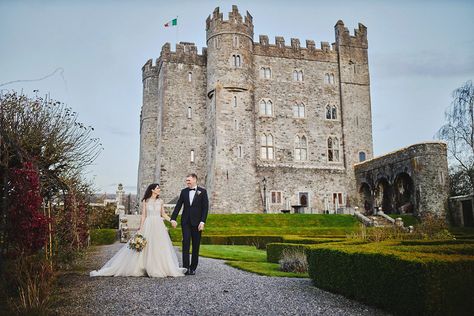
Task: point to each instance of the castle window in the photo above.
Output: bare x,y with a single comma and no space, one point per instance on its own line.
298,75
235,101
331,79
236,124
192,155
276,197
190,113
361,156
333,149
266,108
236,60
301,148
268,73
216,42
326,79
331,112
265,73
240,152
337,200
190,76
298,110
266,147
235,42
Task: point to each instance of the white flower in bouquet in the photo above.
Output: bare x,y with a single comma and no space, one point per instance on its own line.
137,242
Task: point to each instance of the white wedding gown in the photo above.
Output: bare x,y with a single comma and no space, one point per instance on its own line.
157,259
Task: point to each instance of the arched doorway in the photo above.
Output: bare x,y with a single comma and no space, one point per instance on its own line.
404,193
365,198
383,195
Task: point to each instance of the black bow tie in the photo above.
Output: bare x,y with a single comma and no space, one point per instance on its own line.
192,189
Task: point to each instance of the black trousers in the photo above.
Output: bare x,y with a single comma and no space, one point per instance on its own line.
191,234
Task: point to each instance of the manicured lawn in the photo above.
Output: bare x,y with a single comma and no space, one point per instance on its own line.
246,258
310,225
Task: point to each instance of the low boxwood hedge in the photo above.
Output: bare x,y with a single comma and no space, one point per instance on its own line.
274,250
408,282
104,236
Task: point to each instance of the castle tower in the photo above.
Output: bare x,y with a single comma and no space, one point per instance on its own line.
354,85
231,113
147,167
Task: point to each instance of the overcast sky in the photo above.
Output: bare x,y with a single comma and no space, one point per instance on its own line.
419,52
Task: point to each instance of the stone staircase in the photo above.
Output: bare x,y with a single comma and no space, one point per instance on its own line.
379,221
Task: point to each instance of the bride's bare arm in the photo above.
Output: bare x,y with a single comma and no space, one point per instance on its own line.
163,213
143,215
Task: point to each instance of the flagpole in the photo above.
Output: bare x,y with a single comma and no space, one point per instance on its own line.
177,26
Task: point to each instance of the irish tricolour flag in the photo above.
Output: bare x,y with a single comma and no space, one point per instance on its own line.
173,22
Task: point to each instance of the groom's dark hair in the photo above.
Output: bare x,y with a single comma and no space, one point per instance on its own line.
192,175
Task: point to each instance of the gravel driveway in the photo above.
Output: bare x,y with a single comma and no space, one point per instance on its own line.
216,289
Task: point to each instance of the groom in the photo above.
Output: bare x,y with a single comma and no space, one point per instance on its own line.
194,216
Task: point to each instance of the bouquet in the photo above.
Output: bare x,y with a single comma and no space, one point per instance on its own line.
137,242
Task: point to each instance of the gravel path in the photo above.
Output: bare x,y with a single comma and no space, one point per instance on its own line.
216,289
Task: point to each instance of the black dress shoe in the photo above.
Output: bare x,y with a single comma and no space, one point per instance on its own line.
187,272
191,272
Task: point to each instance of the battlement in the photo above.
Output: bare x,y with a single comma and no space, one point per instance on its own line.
215,23
325,51
343,36
185,52
150,69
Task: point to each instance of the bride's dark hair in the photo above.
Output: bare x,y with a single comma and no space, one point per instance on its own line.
151,187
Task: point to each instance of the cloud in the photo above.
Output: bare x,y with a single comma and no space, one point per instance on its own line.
425,64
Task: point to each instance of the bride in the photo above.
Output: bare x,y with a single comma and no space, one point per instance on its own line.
158,258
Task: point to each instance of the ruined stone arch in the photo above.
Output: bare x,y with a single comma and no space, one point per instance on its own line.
365,197
383,192
404,193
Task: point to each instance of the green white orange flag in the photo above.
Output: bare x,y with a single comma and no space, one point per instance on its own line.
173,22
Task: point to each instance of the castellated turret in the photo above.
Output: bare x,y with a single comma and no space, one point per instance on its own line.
292,112
231,131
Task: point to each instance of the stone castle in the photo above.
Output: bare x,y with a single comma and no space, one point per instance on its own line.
266,126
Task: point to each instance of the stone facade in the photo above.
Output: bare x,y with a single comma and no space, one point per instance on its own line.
410,180
244,111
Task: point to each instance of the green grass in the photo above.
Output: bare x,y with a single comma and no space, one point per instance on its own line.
238,253
408,220
309,225
247,258
265,268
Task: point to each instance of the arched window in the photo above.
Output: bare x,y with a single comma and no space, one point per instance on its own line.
266,147
331,80
190,76
192,155
298,110
295,75
266,108
300,75
328,112
236,60
361,156
326,79
301,148
190,113
235,101
333,149
334,113
216,42
268,73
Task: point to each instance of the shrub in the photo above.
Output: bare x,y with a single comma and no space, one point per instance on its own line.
104,236
407,283
293,260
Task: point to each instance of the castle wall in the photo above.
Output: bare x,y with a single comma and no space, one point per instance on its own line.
183,121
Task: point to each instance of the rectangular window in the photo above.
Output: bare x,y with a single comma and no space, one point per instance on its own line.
276,197
190,113
192,155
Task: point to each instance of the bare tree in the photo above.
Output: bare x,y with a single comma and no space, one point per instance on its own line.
458,132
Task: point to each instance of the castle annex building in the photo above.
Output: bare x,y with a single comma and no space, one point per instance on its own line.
265,125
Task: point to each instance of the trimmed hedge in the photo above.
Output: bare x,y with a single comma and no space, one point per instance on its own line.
105,236
407,283
254,240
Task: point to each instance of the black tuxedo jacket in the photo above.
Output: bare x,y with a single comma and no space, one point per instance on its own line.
192,213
